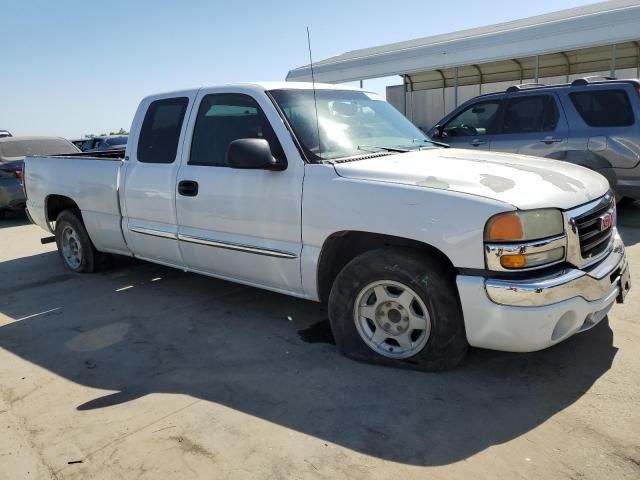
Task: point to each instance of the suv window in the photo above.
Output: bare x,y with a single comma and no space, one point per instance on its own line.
604,108
87,144
116,141
531,113
223,118
161,130
476,119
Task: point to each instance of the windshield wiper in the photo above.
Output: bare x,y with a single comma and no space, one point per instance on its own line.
388,149
440,144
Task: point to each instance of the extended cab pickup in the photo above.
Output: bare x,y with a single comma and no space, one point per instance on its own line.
332,195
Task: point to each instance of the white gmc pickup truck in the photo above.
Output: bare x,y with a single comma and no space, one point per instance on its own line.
332,195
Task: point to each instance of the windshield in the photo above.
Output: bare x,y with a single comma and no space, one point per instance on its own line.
16,148
349,123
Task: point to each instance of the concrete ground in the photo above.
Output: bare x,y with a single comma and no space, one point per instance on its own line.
147,372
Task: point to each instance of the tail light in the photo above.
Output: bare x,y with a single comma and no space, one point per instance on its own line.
20,175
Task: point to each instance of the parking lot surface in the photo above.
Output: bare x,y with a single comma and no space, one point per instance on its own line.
147,372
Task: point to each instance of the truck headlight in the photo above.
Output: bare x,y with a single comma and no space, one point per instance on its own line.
525,239
524,225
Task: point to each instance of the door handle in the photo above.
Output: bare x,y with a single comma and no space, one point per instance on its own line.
550,140
477,142
188,188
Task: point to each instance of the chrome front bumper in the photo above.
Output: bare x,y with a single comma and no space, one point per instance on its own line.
592,283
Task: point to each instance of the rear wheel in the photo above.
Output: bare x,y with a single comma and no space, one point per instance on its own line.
74,245
398,307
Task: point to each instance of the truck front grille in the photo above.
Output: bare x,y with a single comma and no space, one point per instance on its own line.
593,238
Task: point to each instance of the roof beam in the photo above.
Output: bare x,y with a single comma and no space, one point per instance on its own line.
583,27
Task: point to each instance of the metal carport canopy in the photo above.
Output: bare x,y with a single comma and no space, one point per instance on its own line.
604,23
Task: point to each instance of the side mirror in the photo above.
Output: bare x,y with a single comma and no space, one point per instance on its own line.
252,153
438,131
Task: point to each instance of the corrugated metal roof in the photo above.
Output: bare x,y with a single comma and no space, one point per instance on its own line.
598,24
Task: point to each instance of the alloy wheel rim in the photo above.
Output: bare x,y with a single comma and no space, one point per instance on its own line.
71,247
392,319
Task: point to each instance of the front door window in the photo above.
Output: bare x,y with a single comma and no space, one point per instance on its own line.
476,119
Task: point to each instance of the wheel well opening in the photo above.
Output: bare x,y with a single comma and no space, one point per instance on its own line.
58,203
342,247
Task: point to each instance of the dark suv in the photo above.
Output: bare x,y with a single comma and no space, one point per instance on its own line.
104,143
594,122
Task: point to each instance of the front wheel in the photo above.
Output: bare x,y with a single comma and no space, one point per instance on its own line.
398,307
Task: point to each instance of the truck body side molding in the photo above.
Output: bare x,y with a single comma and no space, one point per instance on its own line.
213,243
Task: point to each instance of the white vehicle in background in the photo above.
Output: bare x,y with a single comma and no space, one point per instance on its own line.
332,195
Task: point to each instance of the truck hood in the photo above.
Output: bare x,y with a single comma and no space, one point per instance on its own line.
522,181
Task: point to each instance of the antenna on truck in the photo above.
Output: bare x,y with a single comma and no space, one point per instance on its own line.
313,85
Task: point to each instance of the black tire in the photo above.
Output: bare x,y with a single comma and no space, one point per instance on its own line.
430,278
624,201
90,259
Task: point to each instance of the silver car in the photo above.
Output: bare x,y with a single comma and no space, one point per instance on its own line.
594,122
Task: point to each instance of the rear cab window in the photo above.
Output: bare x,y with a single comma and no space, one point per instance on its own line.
161,129
604,108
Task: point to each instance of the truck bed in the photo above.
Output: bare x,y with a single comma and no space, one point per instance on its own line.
91,181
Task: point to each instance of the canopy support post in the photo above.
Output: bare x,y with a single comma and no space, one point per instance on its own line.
519,67
444,86
481,79
612,71
566,59
409,88
455,87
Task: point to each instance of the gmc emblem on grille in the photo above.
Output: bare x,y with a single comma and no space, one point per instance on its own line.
606,221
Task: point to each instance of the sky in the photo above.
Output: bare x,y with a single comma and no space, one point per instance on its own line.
70,68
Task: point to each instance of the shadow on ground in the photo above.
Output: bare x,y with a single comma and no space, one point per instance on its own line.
139,329
13,219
